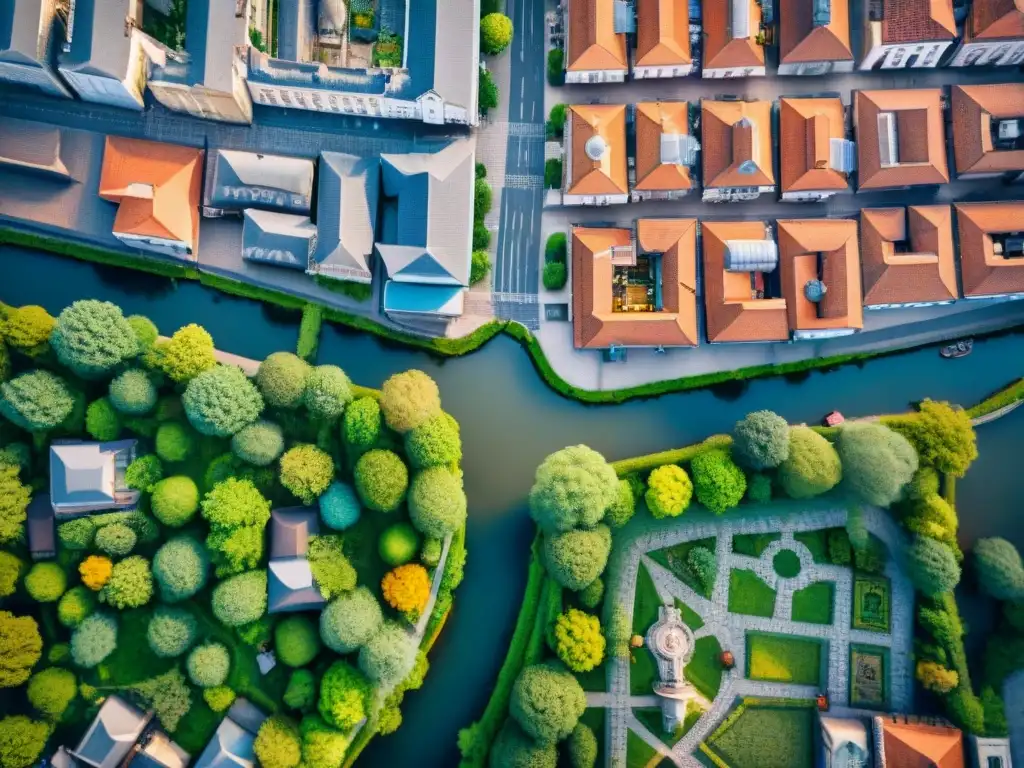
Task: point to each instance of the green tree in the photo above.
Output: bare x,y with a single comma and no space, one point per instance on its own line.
481,234
306,471
556,121
555,274
92,338
552,173
434,443
175,500
208,665
546,703
102,421
328,391
277,743
259,444
339,506
813,466
116,540
349,621
14,499
941,434
20,648
180,568
437,503
144,473
579,643
219,698
36,401
171,632
322,746
574,559
398,544
556,248
381,480
21,741
132,393
582,747
701,562
877,462
668,491
333,573
344,696
479,266
282,379
11,570
145,330
173,442
932,567
409,399
234,503
486,95
77,534
301,690
93,640
623,508
573,487
481,199
514,749
760,440
46,582
296,641
130,585
221,400
168,695
188,353
51,691
388,655
361,424
495,33
27,329
240,599
718,483
998,566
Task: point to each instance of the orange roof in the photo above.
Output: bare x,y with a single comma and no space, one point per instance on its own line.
925,272
996,19
721,49
593,43
801,41
802,243
733,314
662,33
975,107
920,138
807,127
912,745
736,132
906,21
157,185
653,119
982,271
600,130
596,325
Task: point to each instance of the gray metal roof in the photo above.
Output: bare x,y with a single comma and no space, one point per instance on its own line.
112,735
348,192
33,147
101,44
39,526
19,31
290,586
230,747
247,715
290,529
237,180
296,28
212,30
283,239
263,69
83,473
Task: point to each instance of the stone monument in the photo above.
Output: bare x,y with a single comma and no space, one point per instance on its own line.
672,644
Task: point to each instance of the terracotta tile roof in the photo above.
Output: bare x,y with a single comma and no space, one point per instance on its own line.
607,175
909,745
982,272
732,313
721,49
596,325
662,33
593,43
926,272
807,127
652,120
157,185
906,21
975,107
800,243
920,132
726,145
996,19
801,41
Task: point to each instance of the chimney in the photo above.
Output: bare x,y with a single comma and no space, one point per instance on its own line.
818,144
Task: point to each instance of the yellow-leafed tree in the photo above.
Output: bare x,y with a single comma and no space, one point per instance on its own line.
95,571
407,587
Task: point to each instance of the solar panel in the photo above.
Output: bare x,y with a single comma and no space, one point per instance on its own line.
888,147
751,255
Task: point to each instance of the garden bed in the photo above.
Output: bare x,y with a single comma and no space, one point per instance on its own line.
785,659
765,733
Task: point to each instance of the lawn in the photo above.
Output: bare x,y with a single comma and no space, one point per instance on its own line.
640,754
690,617
643,671
753,544
784,659
772,736
594,718
816,542
786,564
674,558
651,717
705,668
750,596
594,680
813,603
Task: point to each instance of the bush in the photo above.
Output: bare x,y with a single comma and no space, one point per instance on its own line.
389,655
171,632
759,488
552,174
582,747
406,588
322,746
93,640
924,484
175,500
556,123
398,544
932,566
430,555
760,440
718,483
281,379
623,508
592,594
668,491
180,567
345,696
495,33
36,401
339,507
936,678
27,329
701,562
173,442
361,424
21,741
11,568
877,462
349,621
839,547
333,573
546,703
480,265
133,393
188,353
167,695
277,744
514,749
328,391
258,444
234,503
941,434
51,692
487,98
142,474
481,199
381,480
408,400
116,540
146,332
437,503
219,698
296,642
555,275
301,690
434,443
14,499
95,571
1000,571
46,582
220,401
102,421
241,599
574,559
58,653
208,665
130,585
306,471
556,248
92,338
16,455
573,487
556,66
870,556
813,466
579,643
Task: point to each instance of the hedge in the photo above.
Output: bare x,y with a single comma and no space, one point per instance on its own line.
1011,394
309,331
674,456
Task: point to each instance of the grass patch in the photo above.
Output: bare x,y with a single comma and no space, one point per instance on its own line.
309,332
814,603
816,543
640,754
750,596
691,618
705,671
196,728
786,564
872,598
783,659
651,718
355,291
593,717
766,735
674,559
596,679
643,670
753,544
132,661
1000,399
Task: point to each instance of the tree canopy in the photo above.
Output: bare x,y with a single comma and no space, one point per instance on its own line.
221,400
349,621
573,488
277,743
36,401
328,391
180,567
495,33
999,568
877,462
175,500
361,424
381,479
259,444
932,566
812,467
296,641
389,654
668,491
546,703
575,558
27,329
339,506
133,392
579,643
93,337
760,440
93,640
241,599
437,503
14,499
344,695
513,748
130,584
186,354
20,648
434,443
941,434
281,379
409,399
306,471
21,741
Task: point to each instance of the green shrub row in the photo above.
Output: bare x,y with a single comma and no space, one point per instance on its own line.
309,331
1004,397
683,455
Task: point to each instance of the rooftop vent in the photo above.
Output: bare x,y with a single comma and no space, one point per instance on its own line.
751,255
842,155
1009,247
624,22
1009,130
821,13
815,290
139,191
679,149
739,19
888,144
596,148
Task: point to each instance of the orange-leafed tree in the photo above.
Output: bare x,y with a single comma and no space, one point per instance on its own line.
407,588
95,571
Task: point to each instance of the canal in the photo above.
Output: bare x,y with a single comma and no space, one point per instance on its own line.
510,420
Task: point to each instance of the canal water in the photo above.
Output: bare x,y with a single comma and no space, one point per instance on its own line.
511,420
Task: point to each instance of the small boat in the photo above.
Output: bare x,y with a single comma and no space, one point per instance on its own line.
833,419
960,348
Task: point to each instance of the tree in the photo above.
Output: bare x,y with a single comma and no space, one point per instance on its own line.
116,540
339,506
51,691
277,743
130,585
16,455
95,571
281,379
701,562
381,480
406,588
936,678
479,265
389,655
344,696
258,444
409,399
481,234
14,499
93,640
175,500
219,698
234,503
486,93
296,641
759,488
398,544
146,332
349,621
208,665
574,559
36,401
27,329
552,174
579,643
188,353
306,471
221,400
546,703
173,442
46,582
812,467
5,361
573,487
322,746
102,421
132,393
301,690
143,473
718,482
1000,570
495,33
556,122
93,337
760,440
668,491
11,569
877,462
361,424
171,632
514,749
556,248
21,741
555,273
582,747
941,434
932,567
240,599
333,573
20,648
328,391
623,508
481,199
437,503
434,443
180,568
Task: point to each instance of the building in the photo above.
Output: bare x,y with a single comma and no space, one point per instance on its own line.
635,291
901,139
595,41
900,34
737,150
238,180
89,477
232,742
281,239
842,742
33,148
816,157
733,41
662,39
991,249
901,742
210,81
157,188
40,528
814,37
993,35
671,643
907,256
156,750
29,36
742,294
820,273
595,155
989,752
112,735
290,582
665,151
988,130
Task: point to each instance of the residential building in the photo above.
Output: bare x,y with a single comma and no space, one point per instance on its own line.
993,35
156,750
737,150
820,274
742,293
814,37
595,155
209,80
282,239
635,291
900,34
991,249
990,752
112,734
89,477
901,138
595,41
232,742
40,528
34,148
662,39
988,130
842,742
29,35
815,154
907,256
290,582
238,180
733,43
157,188
902,742
665,151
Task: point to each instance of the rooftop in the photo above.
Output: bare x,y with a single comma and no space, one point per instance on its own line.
737,143
810,156
814,30
901,139
237,180
230,747
84,473
730,31
995,20
112,734
278,238
912,745
291,529
906,21
102,39
348,193
20,26
597,151
33,147
988,128
662,34
213,30
661,129
991,248
593,43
